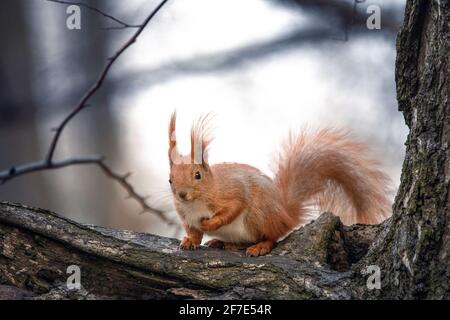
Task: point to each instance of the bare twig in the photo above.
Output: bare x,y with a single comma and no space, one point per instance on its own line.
42,165
119,27
58,130
49,163
346,13
87,6
122,179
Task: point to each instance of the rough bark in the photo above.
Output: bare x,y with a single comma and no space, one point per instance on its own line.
321,260
37,246
413,251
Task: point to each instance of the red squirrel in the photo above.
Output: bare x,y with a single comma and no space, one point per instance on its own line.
240,207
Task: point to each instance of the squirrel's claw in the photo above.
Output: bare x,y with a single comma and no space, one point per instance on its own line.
188,244
260,249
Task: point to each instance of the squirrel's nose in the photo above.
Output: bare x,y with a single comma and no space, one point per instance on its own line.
182,195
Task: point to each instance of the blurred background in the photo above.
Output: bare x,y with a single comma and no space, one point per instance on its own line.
262,67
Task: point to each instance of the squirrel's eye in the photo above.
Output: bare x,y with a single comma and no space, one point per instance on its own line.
198,176
170,181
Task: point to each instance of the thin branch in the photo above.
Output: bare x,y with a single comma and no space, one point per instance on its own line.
49,164
98,84
227,60
118,27
81,4
42,165
249,53
122,179
347,14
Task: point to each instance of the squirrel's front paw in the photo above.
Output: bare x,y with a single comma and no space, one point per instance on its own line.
189,244
210,224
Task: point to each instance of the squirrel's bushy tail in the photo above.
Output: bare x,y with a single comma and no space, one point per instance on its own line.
329,171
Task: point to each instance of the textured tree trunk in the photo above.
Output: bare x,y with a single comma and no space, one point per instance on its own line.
413,252
322,260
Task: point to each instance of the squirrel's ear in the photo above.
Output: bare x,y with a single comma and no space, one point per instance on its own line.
200,141
173,152
204,152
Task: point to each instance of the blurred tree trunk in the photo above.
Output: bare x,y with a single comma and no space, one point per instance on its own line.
18,124
94,130
78,60
16,64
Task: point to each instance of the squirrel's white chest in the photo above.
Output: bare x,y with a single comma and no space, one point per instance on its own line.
235,232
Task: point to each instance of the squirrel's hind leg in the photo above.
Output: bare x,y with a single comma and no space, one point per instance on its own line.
215,243
229,246
261,248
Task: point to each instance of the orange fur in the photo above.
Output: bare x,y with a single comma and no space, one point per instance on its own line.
193,239
238,204
229,246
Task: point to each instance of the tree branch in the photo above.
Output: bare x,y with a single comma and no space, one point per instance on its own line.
82,104
92,8
99,161
347,13
123,181
49,164
122,264
27,168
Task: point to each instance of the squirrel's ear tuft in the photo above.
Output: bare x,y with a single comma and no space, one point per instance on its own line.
173,152
201,138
